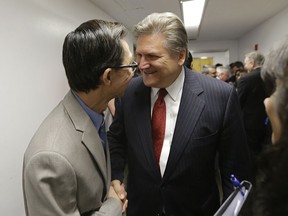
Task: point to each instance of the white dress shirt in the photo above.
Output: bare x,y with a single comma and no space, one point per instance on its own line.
172,100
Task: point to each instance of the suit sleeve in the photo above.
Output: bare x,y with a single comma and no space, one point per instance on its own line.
234,156
50,188
242,91
117,143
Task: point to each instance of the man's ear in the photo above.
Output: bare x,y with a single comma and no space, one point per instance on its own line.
182,57
106,76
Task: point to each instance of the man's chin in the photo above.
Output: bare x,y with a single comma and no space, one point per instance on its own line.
147,82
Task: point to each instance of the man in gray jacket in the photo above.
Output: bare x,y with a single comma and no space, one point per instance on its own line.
67,163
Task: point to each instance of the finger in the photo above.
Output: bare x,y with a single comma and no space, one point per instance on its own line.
119,189
125,205
121,192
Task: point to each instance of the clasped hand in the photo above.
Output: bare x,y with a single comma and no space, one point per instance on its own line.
117,190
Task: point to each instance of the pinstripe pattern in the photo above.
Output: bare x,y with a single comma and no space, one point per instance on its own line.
208,121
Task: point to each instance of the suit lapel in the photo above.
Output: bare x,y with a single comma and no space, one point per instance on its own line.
90,137
143,126
94,145
191,107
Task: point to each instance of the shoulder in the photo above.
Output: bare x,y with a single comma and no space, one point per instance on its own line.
58,133
135,82
255,74
208,84
136,86
251,80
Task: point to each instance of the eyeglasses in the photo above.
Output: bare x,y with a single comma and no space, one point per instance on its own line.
133,66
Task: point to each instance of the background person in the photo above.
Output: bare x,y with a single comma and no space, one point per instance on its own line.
270,196
235,67
209,70
251,92
223,73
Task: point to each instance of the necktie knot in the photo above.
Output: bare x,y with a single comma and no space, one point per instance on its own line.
162,93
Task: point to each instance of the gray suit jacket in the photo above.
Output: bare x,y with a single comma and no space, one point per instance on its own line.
65,168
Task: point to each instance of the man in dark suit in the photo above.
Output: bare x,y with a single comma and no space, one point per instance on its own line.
66,167
202,118
251,91
235,68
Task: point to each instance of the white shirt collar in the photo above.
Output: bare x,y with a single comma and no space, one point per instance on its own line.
174,89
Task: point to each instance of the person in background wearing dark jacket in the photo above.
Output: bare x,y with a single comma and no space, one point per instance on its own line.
169,127
270,196
235,67
251,92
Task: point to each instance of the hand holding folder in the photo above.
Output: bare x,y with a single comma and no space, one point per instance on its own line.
234,203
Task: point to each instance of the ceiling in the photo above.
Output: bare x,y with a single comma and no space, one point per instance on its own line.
222,19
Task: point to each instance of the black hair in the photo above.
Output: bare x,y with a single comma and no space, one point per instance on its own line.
93,47
189,60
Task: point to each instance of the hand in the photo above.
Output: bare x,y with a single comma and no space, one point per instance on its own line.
121,192
113,194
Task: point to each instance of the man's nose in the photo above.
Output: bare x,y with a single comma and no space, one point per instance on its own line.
143,63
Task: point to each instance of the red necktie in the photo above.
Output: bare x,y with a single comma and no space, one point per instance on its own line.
159,123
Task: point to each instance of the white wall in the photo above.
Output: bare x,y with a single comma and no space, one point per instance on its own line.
32,78
218,57
267,35
215,47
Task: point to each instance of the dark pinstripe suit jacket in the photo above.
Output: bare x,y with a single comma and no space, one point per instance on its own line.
209,121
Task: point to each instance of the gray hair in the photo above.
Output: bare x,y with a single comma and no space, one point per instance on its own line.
222,69
168,24
257,57
276,68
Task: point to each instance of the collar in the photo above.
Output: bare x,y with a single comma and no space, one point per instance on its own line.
95,117
174,89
